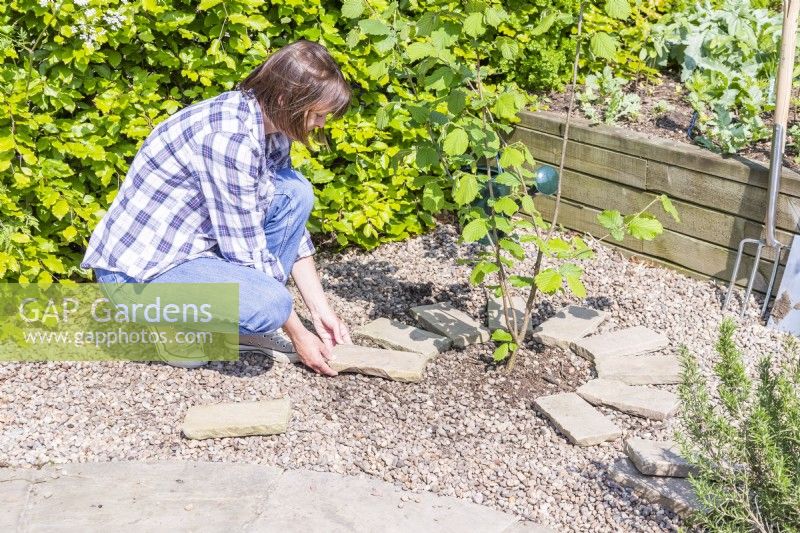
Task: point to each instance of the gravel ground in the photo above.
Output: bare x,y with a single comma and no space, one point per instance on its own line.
468,430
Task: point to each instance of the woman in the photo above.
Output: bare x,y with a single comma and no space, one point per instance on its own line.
211,197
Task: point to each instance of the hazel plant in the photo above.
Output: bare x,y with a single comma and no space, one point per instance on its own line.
468,110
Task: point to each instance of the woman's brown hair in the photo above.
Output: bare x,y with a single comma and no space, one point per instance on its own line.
294,80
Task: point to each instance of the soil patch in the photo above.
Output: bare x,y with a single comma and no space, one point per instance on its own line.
675,123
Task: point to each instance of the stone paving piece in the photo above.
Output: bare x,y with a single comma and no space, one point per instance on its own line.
395,335
456,325
568,325
629,341
640,369
139,496
389,364
657,458
343,504
673,493
527,527
647,402
237,419
196,496
495,317
578,420
13,494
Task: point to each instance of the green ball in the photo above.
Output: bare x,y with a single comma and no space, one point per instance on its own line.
546,179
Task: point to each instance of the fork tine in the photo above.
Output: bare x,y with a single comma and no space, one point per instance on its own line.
775,264
753,272
735,273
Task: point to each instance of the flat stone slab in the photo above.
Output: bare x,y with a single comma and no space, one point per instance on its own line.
527,527
237,419
647,402
578,420
183,497
640,369
340,503
568,325
14,494
657,458
389,364
629,341
495,318
672,493
395,335
456,325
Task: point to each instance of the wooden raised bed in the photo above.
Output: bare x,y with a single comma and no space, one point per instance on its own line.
721,200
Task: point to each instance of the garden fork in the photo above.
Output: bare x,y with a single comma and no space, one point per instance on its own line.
775,166
783,90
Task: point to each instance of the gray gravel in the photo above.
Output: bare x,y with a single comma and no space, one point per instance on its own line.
468,430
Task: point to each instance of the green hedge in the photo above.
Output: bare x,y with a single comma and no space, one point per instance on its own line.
85,81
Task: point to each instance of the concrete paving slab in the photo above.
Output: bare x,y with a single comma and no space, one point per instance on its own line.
360,504
456,325
396,365
577,419
657,458
14,495
237,419
647,402
672,493
568,325
138,496
495,317
527,527
182,497
395,335
629,341
640,369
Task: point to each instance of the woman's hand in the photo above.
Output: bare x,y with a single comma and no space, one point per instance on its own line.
313,353
330,328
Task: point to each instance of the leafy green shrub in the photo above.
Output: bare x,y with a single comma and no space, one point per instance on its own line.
603,99
543,29
746,446
622,39
619,31
728,59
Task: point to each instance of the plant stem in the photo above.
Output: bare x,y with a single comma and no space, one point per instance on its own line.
570,107
518,175
539,255
527,315
495,241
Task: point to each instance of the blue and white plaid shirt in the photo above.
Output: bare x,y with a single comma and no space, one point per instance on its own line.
200,186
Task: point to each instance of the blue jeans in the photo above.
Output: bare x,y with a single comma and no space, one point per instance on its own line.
264,303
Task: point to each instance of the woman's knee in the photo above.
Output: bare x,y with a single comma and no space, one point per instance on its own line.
297,188
265,308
